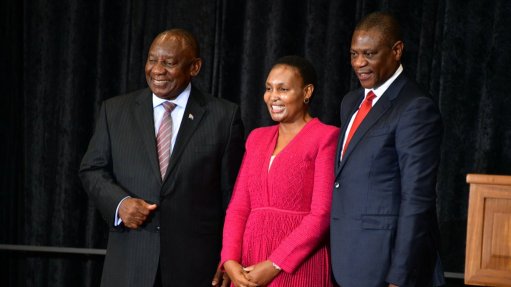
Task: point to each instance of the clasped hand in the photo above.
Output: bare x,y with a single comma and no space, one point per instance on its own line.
258,275
134,212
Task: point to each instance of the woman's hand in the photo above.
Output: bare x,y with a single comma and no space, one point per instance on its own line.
262,273
237,274
220,279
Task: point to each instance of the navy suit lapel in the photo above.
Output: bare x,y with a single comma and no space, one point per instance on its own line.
355,103
145,118
380,108
191,118
372,117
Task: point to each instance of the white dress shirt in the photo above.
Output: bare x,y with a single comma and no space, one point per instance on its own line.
177,114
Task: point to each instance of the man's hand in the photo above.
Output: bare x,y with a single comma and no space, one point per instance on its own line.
221,279
262,273
237,274
134,212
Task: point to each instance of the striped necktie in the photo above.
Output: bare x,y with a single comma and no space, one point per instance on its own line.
164,138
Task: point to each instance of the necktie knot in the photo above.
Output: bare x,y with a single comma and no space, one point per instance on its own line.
370,97
169,106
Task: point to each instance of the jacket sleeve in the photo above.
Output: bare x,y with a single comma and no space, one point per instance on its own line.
232,156
418,139
96,171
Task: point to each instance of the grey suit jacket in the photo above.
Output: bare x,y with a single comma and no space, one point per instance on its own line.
383,222
184,234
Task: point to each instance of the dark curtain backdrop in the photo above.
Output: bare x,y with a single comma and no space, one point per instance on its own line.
62,58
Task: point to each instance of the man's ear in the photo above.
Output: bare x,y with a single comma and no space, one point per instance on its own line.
397,49
195,67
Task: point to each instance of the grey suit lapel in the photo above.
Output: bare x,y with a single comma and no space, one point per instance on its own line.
145,118
191,118
383,104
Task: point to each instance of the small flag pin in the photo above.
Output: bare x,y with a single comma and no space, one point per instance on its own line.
190,116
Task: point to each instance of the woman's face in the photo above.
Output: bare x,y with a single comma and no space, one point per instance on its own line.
285,94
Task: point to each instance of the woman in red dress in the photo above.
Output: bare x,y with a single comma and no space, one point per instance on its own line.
276,226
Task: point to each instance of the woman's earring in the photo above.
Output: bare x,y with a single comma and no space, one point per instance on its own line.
306,100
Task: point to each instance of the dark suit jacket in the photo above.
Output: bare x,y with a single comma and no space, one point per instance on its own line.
383,221
184,233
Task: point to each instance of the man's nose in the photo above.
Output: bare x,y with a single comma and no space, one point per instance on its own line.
358,61
158,68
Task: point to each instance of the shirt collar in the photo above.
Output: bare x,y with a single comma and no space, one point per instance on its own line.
381,89
180,100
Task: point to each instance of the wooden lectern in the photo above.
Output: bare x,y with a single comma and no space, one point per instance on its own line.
488,251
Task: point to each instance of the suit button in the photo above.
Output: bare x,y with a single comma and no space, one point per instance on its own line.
336,184
157,229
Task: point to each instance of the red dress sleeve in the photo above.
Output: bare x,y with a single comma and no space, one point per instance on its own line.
311,232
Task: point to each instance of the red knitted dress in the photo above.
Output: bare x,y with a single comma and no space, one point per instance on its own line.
282,212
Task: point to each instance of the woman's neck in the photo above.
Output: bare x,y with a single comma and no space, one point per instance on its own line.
294,127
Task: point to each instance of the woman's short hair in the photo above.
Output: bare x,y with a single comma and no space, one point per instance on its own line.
304,67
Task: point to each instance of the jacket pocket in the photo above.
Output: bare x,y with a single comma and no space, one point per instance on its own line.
378,132
379,221
205,148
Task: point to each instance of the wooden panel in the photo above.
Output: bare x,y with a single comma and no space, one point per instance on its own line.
496,239
488,251
501,243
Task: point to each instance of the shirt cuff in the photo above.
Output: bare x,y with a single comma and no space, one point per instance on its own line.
117,219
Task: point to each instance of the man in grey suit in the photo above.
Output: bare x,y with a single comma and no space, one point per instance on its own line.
384,230
162,177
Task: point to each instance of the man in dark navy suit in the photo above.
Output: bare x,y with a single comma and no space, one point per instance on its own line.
160,168
384,229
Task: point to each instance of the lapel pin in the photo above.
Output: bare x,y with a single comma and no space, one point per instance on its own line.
190,116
